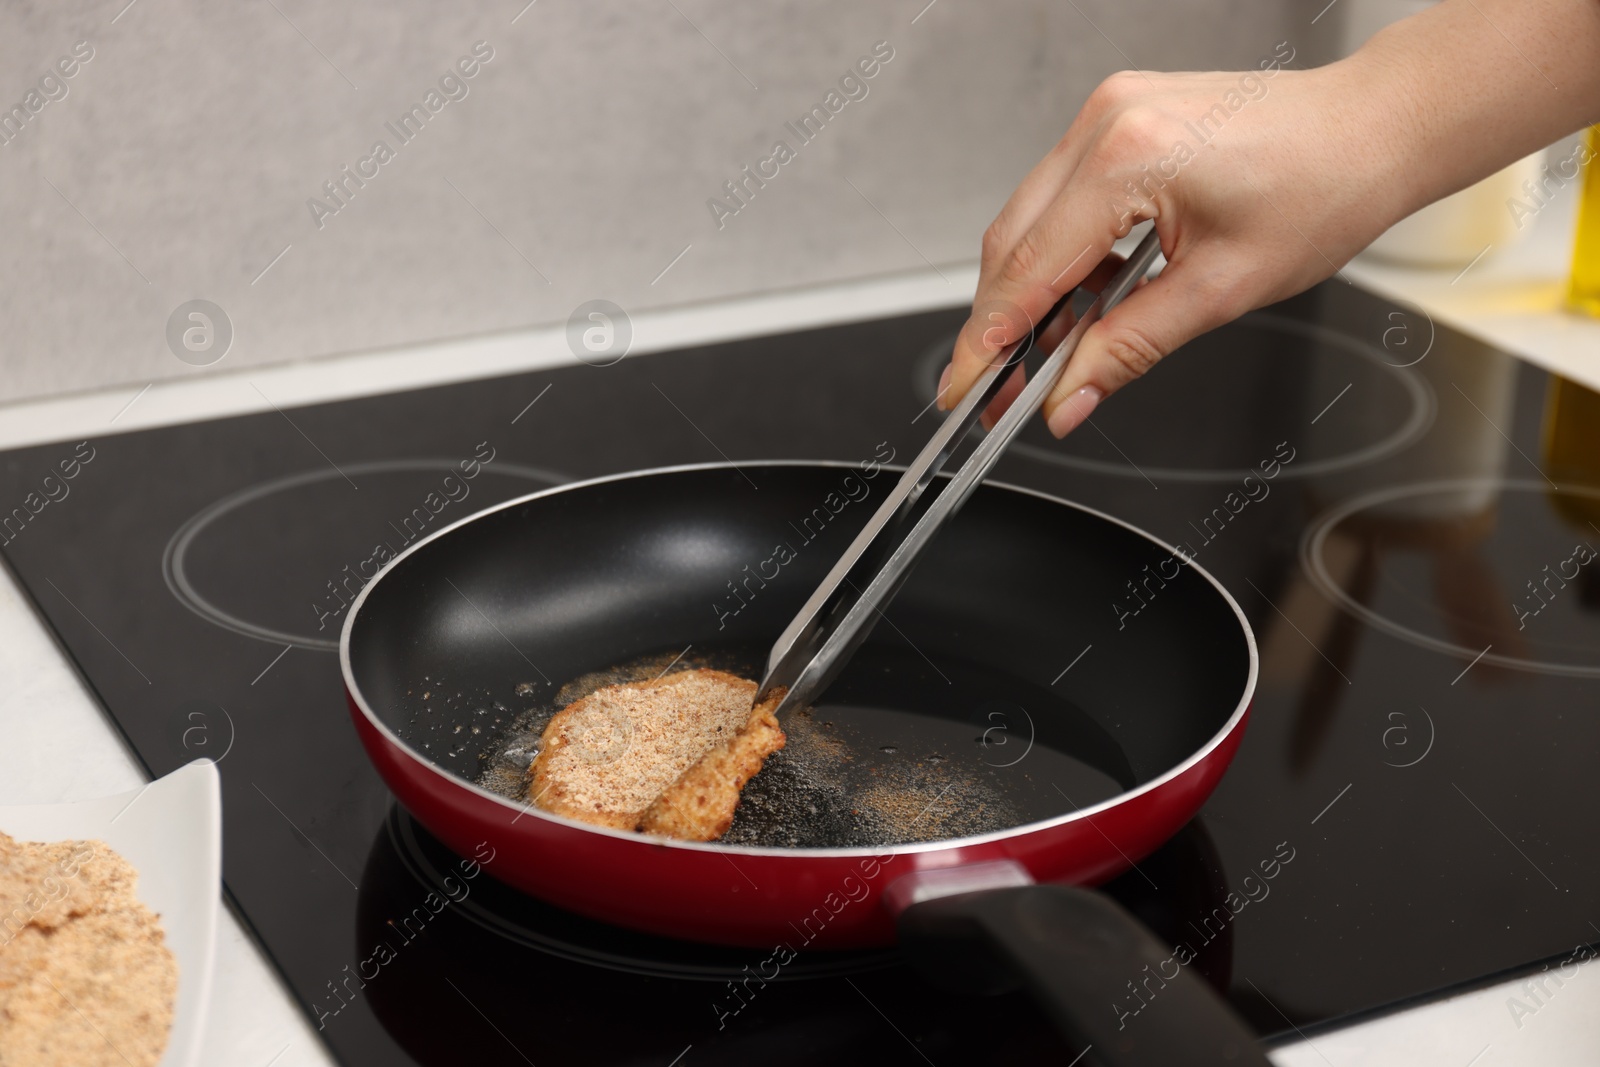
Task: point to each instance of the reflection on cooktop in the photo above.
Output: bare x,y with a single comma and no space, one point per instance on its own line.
529,923
1504,573
440,948
1226,395
333,528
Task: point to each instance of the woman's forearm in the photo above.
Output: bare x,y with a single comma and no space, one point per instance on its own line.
1472,85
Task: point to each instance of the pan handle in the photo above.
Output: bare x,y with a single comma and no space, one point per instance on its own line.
1102,977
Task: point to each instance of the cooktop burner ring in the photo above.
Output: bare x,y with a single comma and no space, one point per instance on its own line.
1313,550
174,556
1422,402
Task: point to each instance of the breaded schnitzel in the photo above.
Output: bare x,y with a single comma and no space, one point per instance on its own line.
667,756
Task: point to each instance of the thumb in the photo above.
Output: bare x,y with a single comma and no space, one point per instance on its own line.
1154,320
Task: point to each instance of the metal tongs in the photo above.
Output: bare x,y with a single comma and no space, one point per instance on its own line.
840,614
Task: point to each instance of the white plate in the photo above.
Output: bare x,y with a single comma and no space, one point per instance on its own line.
171,831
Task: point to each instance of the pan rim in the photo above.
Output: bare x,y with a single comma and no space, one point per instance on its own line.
1227,730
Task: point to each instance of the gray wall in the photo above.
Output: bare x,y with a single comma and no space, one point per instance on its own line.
590,143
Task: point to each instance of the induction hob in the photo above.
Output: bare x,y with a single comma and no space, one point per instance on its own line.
1423,591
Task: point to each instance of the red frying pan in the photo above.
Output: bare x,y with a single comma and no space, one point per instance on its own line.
1057,691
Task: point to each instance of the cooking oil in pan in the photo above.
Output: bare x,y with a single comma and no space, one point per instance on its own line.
899,751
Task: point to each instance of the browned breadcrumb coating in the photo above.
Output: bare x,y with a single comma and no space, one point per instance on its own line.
609,758
86,977
699,805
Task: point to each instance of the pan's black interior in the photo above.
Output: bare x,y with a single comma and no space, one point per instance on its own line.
1021,612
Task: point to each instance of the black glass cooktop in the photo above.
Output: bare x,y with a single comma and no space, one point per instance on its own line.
1409,519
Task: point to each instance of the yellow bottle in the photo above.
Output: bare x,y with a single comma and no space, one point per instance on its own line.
1572,451
1583,294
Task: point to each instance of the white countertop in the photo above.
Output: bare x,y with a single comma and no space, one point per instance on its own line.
59,746
1510,298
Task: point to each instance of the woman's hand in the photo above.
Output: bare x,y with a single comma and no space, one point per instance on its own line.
1258,188
1262,184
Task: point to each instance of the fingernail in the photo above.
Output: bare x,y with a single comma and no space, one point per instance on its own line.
1069,415
944,383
